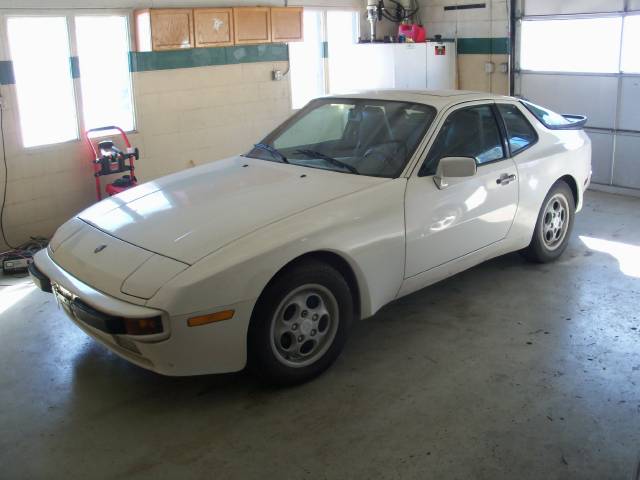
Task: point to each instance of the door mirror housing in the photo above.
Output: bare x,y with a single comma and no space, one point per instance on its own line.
454,167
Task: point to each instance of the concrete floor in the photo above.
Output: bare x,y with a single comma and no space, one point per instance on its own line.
509,370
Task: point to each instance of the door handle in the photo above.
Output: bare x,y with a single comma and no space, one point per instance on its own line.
505,179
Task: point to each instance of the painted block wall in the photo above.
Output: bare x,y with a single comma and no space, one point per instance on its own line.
472,28
185,117
191,115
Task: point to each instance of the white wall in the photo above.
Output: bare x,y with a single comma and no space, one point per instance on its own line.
184,117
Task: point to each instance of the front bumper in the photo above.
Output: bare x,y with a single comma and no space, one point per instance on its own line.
177,350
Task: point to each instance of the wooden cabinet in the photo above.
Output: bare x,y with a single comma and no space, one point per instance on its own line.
160,29
164,29
286,24
252,25
213,27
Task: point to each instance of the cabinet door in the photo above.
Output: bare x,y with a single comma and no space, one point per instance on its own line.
171,28
286,24
252,25
213,26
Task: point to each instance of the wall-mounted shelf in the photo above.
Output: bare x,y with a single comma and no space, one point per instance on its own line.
213,27
159,29
164,29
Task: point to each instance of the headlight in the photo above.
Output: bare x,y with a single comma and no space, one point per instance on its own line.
65,232
115,325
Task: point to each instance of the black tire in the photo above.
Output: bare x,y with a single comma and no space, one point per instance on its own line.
266,357
542,250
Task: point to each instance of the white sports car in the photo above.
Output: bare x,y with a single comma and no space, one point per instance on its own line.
264,259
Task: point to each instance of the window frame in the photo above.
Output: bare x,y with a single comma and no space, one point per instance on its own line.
463,106
569,16
635,13
69,15
505,131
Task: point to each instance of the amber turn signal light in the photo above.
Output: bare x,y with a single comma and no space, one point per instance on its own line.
212,317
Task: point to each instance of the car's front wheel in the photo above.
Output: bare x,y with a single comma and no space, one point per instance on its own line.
300,323
554,225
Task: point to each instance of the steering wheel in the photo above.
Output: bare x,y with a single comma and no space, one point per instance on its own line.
385,155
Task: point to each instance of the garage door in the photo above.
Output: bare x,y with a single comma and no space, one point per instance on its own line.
581,56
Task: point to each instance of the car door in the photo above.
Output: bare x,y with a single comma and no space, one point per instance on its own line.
470,213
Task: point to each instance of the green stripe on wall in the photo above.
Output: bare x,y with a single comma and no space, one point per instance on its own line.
270,52
498,45
203,57
6,73
194,57
75,67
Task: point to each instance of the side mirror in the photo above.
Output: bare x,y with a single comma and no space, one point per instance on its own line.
454,167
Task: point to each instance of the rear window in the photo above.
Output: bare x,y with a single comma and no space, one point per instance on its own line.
546,116
553,120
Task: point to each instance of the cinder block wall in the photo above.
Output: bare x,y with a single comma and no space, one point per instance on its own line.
483,36
185,117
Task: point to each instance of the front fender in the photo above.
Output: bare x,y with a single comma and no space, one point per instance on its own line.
365,228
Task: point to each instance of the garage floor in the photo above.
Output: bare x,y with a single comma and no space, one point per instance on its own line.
509,370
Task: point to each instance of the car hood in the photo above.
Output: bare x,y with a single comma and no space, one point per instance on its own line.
190,214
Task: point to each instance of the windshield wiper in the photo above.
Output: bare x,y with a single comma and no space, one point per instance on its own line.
273,151
333,161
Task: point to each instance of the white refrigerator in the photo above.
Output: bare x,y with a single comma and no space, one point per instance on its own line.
412,66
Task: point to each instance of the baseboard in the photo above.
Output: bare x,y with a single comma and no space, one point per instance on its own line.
630,192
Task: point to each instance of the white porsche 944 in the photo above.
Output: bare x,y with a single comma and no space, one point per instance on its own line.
265,259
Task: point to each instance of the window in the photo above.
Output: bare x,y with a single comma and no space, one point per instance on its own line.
307,69
468,132
359,136
323,124
103,55
572,45
342,30
317,63
630,61
39,48
43,63
520,133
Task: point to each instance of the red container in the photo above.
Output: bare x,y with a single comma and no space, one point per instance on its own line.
415,32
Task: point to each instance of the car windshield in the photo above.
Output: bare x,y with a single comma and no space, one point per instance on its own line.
355,136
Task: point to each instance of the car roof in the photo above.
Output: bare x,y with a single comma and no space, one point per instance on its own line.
437,98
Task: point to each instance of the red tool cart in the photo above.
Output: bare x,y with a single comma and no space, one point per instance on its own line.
109,159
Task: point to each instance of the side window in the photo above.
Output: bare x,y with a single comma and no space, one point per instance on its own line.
519,131
468,132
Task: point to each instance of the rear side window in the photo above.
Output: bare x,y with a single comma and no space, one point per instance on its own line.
520,133
468,132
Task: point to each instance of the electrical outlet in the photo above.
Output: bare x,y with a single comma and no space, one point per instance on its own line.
489,67
504,67
277,75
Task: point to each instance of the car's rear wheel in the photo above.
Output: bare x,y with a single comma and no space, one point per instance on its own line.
554,225
300,323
